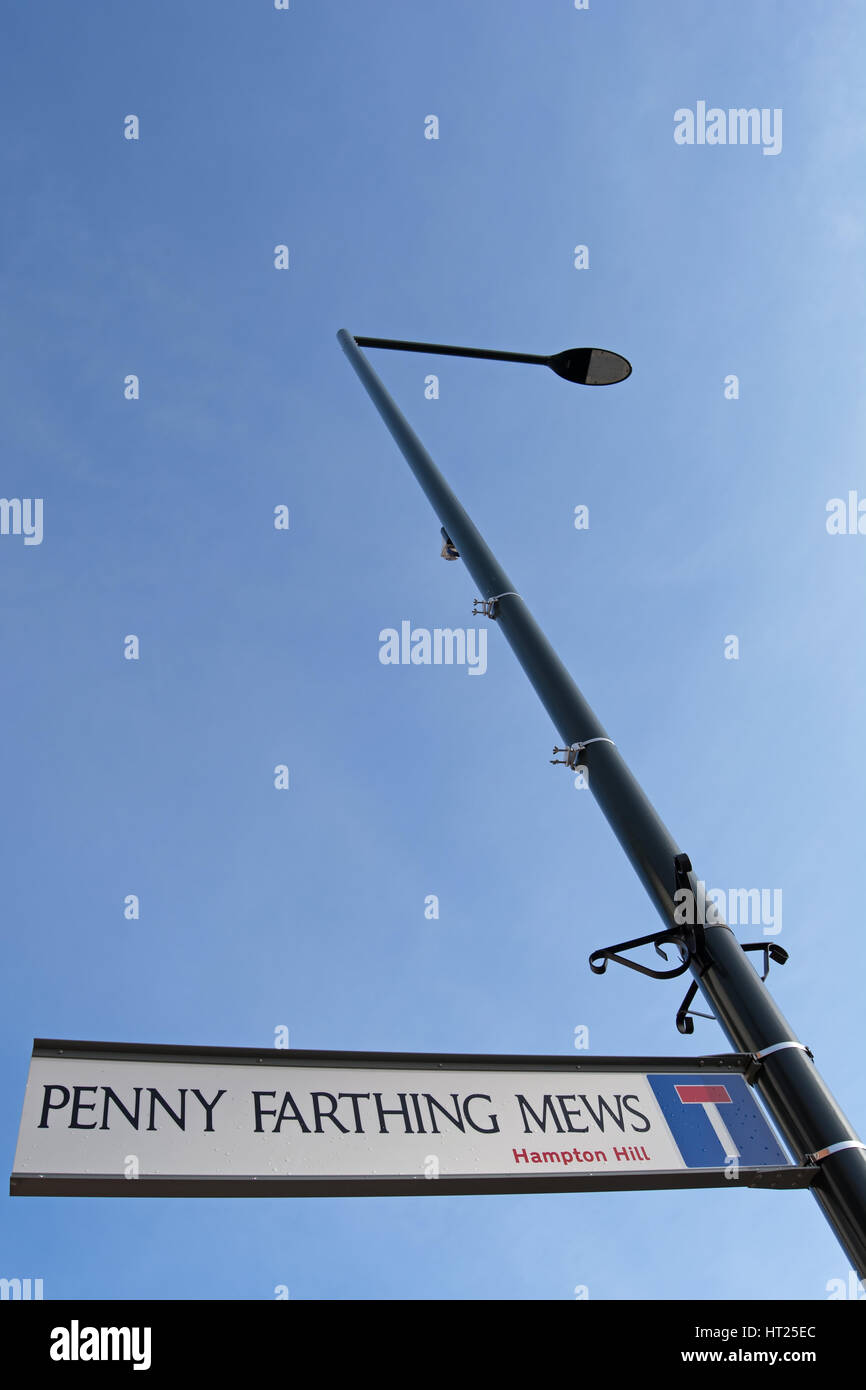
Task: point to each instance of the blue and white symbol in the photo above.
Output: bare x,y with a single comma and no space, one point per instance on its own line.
714,1119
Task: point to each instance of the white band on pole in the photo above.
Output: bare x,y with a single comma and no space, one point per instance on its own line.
777,1047
837,1148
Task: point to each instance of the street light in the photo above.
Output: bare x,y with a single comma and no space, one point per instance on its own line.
586,366
781,1067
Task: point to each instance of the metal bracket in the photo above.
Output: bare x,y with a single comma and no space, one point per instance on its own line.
599,959
682,870
687,938
449,550
771,952
489,607
685,1013
574,752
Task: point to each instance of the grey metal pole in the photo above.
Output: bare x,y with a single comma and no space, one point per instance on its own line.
786,1077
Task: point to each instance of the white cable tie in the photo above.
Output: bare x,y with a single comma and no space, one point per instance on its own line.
577,747
836,1148
509,593
777,1047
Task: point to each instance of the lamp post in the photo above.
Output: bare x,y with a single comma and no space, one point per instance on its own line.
783,1071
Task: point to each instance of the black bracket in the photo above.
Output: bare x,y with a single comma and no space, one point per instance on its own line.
599,959
689,941
685,1013
688,938
771,952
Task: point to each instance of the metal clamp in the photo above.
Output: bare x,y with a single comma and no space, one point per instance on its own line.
777,1047
835,1149
489,607
754,1067
572,753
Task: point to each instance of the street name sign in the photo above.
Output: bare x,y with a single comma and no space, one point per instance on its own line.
129,1119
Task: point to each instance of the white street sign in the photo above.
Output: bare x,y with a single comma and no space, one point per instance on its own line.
128,1119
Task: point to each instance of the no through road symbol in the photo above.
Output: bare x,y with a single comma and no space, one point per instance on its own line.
715,1119
710,1097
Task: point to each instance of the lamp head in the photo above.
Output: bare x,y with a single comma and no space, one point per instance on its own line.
590,366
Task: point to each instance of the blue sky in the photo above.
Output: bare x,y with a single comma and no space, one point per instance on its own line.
305,908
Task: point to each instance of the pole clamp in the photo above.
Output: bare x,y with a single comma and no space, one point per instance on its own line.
834,1149
754,1066
777,1047
573,752
489,607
